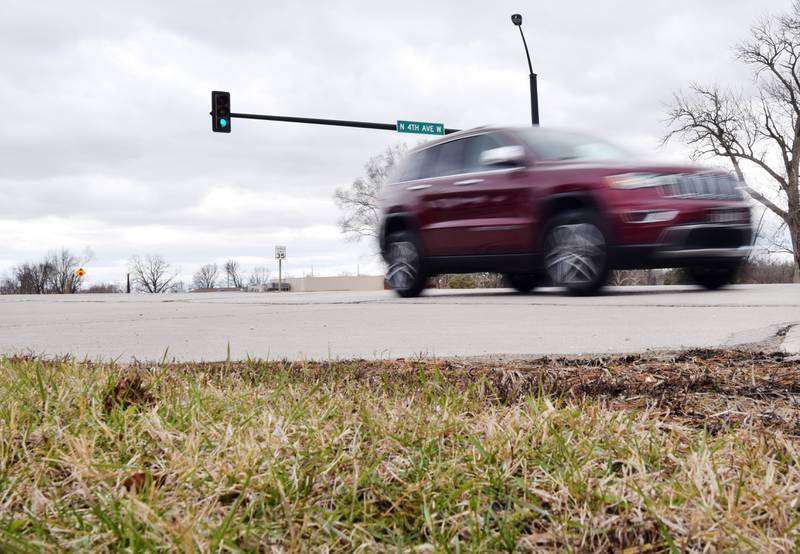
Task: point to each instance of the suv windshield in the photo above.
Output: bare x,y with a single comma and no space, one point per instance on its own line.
560,145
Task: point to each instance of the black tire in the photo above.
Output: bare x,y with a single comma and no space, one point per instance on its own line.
522,282
575,252
405,271
713,277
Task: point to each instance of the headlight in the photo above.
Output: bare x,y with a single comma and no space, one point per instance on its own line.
650,216
634,180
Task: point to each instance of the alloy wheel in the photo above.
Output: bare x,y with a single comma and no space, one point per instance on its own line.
575,254
403,259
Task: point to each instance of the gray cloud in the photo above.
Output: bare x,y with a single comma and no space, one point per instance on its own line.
109,144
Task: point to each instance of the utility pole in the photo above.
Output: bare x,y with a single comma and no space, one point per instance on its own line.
516,19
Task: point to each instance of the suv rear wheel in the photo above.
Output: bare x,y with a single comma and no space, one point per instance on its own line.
576,252
404,274
522,282
714,277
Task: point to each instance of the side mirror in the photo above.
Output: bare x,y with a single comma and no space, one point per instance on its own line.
509,156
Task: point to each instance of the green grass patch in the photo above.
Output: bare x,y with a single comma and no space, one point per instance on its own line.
695,452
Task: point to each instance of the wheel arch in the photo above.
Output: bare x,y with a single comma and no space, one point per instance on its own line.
573,200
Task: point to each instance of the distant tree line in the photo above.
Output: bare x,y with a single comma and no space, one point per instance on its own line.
53,274
759,270
151,273
209,276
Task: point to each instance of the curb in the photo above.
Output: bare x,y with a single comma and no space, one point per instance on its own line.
791,340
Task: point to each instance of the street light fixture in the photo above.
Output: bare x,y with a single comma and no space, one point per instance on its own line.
516,19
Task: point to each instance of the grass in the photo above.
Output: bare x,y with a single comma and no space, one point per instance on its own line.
697,452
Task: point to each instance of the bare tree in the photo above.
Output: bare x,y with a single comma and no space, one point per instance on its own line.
206,277
64,264
234,274
762,132
259,276
34,278
359,201
8,285
152,274
55,274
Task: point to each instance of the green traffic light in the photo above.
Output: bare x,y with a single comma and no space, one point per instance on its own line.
223,122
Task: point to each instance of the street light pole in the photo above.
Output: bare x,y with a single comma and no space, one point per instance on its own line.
516,19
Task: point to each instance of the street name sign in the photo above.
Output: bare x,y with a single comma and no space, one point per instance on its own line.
420,127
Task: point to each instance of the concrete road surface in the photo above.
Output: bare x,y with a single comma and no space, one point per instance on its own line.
202,326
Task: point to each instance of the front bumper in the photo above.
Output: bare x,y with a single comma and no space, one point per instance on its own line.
689,244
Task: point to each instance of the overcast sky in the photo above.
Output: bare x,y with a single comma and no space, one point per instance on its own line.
106,140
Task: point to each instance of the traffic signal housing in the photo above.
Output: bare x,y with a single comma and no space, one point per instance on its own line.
220,111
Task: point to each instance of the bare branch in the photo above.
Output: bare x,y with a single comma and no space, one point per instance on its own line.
234,274
359,202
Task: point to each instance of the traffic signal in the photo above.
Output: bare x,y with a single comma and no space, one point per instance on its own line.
220,111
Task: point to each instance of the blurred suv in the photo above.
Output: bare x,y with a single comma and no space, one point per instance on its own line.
544,205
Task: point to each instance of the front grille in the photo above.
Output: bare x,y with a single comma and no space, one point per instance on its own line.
713,186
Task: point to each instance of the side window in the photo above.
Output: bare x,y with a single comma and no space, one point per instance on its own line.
474,147
451,158
408,169
427,162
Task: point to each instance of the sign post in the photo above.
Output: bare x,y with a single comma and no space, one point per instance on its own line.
280,255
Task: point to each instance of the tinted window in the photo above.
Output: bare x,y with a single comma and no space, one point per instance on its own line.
417,165
427,162
559,145
450,159
474,147
408,169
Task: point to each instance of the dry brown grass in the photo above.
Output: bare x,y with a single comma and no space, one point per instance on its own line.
698,452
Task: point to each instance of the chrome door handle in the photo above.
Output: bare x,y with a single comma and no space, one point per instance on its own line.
468,182
418,187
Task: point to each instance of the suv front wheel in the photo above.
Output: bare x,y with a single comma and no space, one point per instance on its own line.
576,252
404,273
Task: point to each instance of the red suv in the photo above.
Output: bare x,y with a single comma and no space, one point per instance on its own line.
534,203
